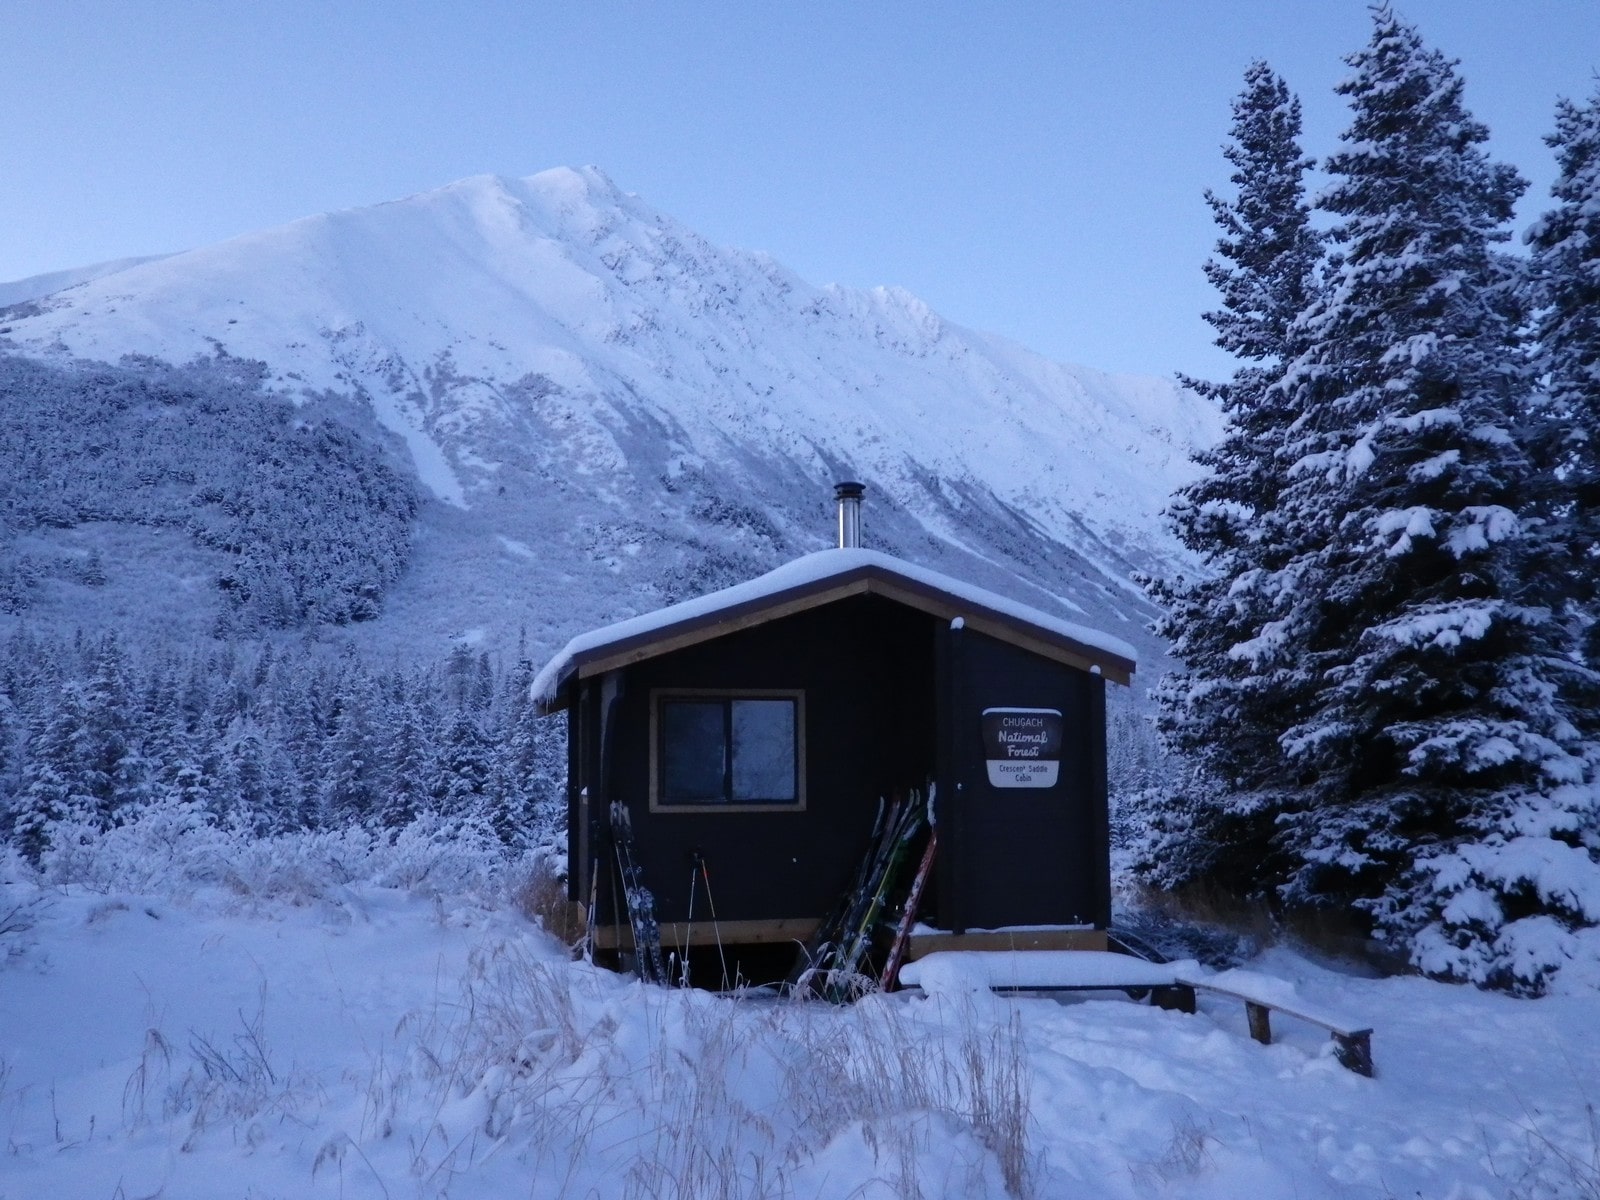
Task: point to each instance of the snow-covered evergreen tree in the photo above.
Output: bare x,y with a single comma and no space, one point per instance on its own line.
11,732
248,792
546,780
53,790
1440,779
350,768
409,765
1381,691
1223,711
110,769
461,781
1565,279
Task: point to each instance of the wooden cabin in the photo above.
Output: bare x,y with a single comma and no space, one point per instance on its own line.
751,733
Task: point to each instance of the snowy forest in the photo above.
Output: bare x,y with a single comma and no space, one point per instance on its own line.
217,749
310,516
1389,704
258,731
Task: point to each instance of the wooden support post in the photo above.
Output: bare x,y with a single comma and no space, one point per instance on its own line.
1354,1050
1176,998
1260,1022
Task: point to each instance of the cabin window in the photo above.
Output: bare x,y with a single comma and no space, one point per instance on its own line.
739,750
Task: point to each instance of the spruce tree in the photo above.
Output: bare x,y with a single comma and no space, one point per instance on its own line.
1224,709
350,767
511,783
1435,761
409,764
53,778
462,770
1565,293
110,770
246,787
164,731
11,729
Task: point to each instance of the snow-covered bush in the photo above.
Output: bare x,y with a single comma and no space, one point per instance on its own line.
161,846
20,908
175,847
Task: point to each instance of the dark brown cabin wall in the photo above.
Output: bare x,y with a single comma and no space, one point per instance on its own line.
866,667
1099,792
576,861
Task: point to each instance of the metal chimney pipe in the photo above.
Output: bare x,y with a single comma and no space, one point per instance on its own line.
849,495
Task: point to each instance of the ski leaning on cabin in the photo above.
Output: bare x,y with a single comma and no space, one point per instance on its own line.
641,903
832,966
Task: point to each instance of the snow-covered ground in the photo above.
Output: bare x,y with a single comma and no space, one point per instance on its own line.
368,1042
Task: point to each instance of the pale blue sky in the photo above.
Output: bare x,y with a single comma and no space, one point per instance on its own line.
1034,169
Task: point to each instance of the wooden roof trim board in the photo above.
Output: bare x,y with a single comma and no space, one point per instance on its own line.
866,578
1006,628
704,628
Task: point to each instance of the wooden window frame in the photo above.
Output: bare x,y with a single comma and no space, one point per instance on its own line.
658,696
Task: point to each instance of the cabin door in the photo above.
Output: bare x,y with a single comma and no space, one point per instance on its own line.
1021,789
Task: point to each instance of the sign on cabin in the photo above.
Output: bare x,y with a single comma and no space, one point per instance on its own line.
1022,746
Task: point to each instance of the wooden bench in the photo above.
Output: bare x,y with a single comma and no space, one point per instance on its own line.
1171,985
1352,1041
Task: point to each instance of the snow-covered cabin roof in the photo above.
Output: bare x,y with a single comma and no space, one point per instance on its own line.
821,578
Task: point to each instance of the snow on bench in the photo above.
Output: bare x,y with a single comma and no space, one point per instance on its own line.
956,971
1036,970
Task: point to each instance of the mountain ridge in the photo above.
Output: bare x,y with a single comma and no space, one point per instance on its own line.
580,375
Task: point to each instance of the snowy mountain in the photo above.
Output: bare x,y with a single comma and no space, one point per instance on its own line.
36,287
610,413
